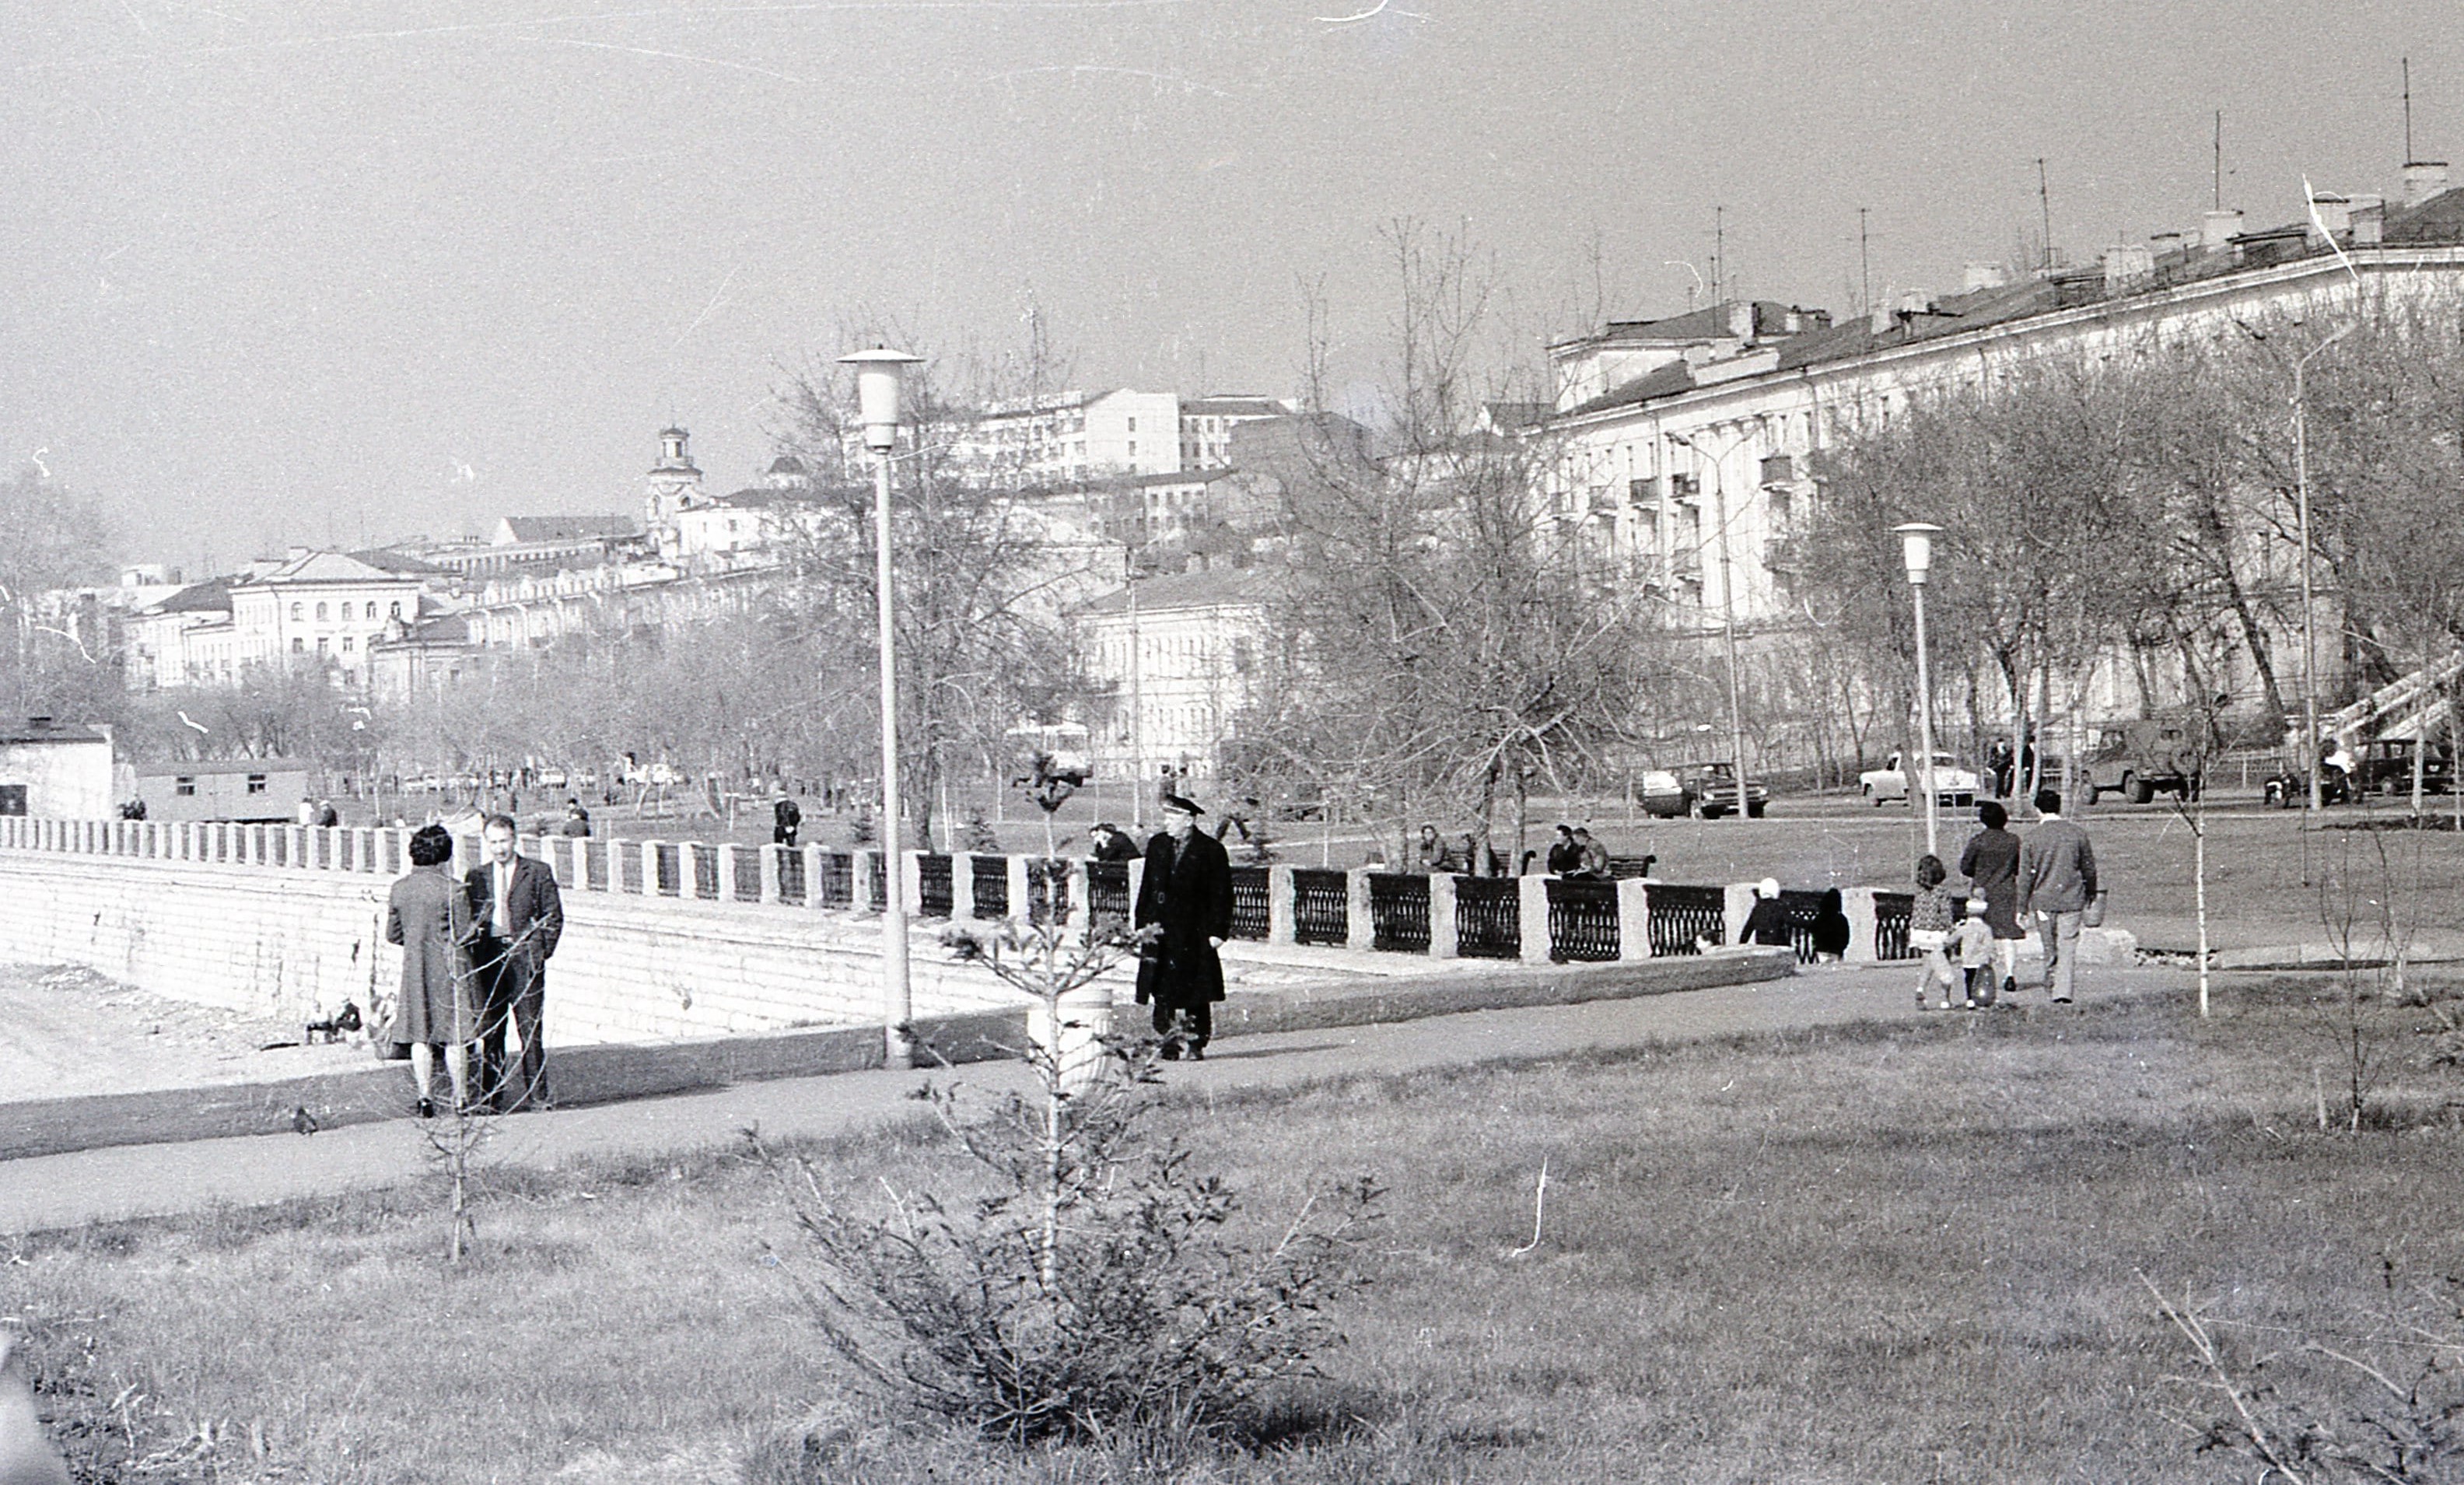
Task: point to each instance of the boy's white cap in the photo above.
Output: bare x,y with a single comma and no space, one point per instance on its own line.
1768,887
1978,903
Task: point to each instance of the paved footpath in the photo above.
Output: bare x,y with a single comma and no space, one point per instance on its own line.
156,1180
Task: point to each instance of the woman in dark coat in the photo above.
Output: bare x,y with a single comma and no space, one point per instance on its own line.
1991,863
1187,892
428,915
1831,929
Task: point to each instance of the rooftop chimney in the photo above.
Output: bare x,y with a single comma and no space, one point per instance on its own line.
2423,179
1983,276
2218,228
1879,321
2369,219
2333,211
1741,319
1915,303
2166,242
2126,265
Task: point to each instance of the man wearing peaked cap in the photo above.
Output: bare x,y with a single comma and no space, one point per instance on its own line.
1187,892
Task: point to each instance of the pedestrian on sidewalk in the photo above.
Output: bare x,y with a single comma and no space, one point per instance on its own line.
520,915
2056,883
1186,893
1929,921
430,917
1991,863
1974,941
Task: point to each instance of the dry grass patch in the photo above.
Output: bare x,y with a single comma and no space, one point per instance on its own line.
1885,1252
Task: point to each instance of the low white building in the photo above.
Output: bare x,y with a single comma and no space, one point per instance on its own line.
55,770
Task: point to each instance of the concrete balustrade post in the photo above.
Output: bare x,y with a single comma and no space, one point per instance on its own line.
1081,891
962,886
299,843
1360,922
767,890
1444,941
859,880
728,853
1021,902
1538,948
1858,902
649,868
1283,908
813,875
1736,908
1633,920
910,882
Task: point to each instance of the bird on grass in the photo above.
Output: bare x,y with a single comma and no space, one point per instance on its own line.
27,1453
302,1123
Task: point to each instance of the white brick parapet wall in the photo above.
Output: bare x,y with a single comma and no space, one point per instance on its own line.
668,939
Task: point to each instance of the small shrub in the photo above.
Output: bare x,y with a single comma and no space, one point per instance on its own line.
982,838
1099,1286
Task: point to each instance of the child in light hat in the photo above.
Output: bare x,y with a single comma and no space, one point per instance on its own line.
1974,938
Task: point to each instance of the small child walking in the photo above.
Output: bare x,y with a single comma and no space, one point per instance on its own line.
1929,920
1974,938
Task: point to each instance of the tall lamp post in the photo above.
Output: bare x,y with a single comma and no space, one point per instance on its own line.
877,375
1727,611
2309,635
1916,550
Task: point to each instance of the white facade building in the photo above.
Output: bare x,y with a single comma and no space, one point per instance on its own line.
1181,656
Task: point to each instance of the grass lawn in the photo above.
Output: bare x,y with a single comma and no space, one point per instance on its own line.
1874,1252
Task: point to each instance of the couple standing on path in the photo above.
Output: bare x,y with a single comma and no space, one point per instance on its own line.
474,958
2050,875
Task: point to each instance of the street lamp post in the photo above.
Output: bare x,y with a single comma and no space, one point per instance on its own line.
2309,634
1916,550
1727,613
877,375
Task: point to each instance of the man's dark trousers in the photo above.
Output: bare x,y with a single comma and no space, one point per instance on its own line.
512,989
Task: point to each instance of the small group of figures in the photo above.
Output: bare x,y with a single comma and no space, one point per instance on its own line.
475,957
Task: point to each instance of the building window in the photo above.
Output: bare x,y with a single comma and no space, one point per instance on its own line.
372,608
185,786
256,784
297,611
321,644
321,614
346,644
299,646
1134,425
397,610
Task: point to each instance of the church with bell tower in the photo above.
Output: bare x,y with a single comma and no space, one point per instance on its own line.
675,486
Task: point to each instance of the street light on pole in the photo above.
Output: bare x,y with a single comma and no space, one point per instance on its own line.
1916,550
877,375
2309,634
1727,612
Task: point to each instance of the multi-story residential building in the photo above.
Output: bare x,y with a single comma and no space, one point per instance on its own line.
1180,657
1682,445
1206,425
1070,436
324,605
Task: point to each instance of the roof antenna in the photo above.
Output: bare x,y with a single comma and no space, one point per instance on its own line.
2045,213
2408,110
1865,269
2216,190
1718,239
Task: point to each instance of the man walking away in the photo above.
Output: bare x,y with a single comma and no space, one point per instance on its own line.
2056,880
518,916
1187,892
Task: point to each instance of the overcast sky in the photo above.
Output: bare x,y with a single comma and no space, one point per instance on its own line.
276,273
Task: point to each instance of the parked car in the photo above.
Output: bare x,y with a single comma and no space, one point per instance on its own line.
1663,793
1711,791
2385,768
2143,757
1897,780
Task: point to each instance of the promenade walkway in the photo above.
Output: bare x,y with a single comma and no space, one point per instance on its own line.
42,1192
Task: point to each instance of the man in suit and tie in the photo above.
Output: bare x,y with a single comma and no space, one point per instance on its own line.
516,916
1187,892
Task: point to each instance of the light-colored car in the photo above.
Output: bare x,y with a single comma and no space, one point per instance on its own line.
1663,793
1952,784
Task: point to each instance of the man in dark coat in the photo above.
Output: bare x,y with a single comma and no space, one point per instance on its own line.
785,819
1187,892
517,915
